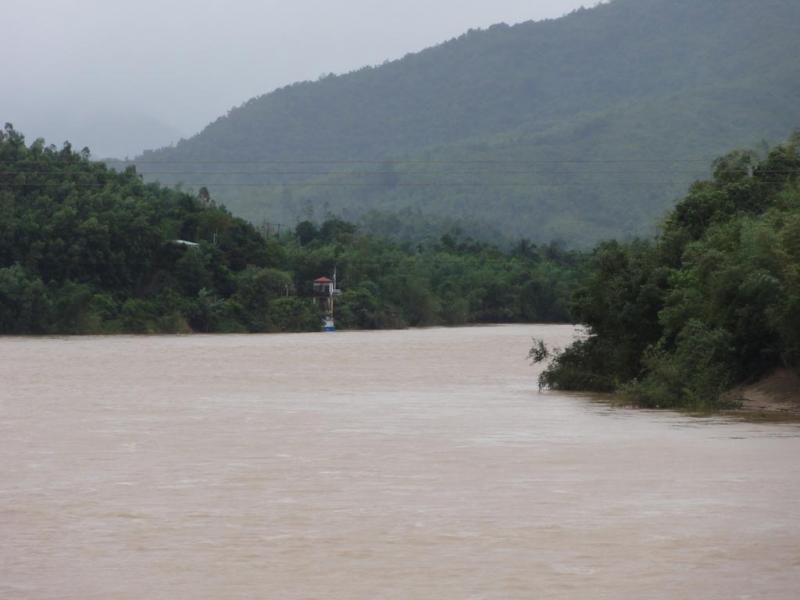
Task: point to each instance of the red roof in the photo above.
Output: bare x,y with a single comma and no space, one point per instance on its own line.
323,280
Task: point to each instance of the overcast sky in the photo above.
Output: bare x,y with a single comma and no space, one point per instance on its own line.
123,75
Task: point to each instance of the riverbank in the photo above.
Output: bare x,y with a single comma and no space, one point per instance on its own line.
772,398
777,395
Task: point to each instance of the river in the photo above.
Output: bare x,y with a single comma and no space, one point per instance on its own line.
368,465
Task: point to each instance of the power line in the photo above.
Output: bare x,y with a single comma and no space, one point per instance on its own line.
387,161
365,184
341,174
340,178
410,161
389,173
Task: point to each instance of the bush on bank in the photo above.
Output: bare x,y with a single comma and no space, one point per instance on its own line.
713,302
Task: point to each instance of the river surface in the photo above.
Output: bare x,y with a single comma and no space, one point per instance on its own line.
401,465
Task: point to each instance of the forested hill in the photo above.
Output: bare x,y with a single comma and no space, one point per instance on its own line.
84,249
578,128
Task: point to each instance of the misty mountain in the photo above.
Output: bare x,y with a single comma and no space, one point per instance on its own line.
577,128
110,132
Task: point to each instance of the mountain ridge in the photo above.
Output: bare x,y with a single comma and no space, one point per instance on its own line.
517,81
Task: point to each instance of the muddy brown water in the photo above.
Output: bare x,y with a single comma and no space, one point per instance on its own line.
398,465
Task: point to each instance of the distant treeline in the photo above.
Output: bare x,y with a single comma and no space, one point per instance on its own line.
85,249
713,302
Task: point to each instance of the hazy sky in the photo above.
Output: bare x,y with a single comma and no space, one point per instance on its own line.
124,75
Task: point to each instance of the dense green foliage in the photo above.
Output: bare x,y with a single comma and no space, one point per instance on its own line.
84,249
714,302
580,129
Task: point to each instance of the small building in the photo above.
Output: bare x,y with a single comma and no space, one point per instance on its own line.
323,287
325,291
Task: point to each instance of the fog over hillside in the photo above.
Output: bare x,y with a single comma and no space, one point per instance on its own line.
122,77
